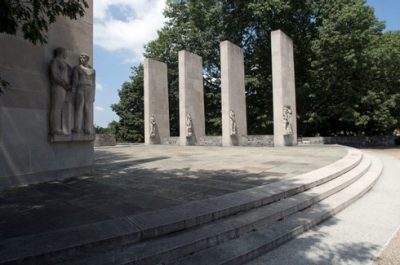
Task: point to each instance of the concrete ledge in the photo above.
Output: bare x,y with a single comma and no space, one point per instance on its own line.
164,221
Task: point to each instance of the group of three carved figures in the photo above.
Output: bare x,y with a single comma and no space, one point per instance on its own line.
72,95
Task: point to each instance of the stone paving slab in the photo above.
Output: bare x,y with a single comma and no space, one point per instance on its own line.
135,178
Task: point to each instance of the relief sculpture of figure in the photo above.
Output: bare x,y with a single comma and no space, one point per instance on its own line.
152,126
232,119
287,116
84,85
60,85
189,131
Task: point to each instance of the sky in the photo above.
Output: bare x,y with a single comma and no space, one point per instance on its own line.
123,27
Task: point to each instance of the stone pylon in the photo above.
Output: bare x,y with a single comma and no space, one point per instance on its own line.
284,92
156,108
191,98
233,98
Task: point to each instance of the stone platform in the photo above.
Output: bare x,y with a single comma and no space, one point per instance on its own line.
136,178
232,227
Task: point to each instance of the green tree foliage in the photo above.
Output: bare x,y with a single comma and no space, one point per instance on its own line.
111,129
34,17
195,26
340,66
130,109
347,69
379,111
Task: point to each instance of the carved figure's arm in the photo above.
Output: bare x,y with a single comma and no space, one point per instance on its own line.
56,75
75,78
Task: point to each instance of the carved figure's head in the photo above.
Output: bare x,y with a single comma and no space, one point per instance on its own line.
232,114
287,112
84,59
60,52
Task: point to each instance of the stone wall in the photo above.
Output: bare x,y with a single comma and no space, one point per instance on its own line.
105,140
26,153
172,140
310,140
268,140
210,141
354,141
364,141
260,140
249,140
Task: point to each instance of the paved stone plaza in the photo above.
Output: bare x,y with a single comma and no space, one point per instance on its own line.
137,178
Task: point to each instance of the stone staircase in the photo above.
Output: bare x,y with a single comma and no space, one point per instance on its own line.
230,229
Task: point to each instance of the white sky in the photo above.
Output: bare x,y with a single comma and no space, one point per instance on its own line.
127,24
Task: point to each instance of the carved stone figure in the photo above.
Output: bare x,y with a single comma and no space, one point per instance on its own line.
189,129
152,126
232,119
60,85
84,85
287,116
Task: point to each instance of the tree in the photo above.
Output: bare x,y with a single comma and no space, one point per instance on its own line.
340,67
343,61
195,26
33,18
130,109
111,129
381,104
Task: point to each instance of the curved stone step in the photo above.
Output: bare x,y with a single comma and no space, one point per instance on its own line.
168,220
152,224
193,240
256,243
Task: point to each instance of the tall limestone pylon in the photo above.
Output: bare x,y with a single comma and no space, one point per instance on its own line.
284,91
156,108
191,98
233,98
